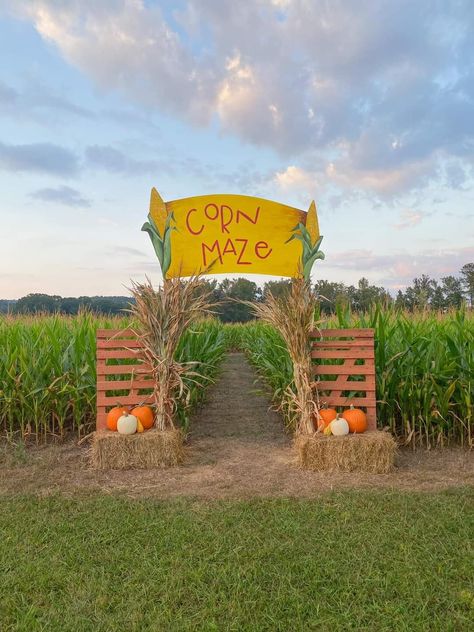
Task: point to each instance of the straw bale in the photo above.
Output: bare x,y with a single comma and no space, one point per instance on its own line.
151,449
372,452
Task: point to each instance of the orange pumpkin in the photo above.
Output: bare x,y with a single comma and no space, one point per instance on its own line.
144,414
114,415
326,415
356,418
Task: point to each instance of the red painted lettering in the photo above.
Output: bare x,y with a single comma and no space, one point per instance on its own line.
206,213
188,225
247,217
244,246
229,248
215,246
225,223
262,245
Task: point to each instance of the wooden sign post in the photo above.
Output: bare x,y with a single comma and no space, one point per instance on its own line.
232,234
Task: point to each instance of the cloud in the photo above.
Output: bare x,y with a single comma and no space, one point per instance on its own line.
62,195
131,118
294,177
321,177
410,218
38,102
38,157
382,96
134,252
8,96
114,161
42,99
402,267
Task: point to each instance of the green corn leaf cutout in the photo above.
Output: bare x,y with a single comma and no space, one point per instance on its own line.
311,252
161,243
309,264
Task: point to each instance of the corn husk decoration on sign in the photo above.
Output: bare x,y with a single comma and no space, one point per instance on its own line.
238,234
310,239
159,228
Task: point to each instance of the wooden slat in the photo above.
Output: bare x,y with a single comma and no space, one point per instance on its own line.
371,417
123,400
127,343
118,333
113,385
349,364
365,343
123,369
120,345
347,401
327,345
329,385
346,385
341,369
101,423
356,354
343,333
116,354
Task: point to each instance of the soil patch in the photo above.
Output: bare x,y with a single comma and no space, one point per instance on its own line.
237,448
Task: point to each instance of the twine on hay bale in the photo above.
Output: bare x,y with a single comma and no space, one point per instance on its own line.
372,452
154,448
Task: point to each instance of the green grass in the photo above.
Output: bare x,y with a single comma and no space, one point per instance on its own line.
347,561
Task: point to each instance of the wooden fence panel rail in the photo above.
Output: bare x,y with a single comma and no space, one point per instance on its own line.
120,367
346,354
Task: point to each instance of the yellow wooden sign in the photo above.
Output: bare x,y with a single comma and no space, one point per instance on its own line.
232,234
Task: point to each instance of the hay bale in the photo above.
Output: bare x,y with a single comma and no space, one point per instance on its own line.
155,448
372,452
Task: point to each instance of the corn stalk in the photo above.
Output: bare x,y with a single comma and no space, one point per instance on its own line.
293,317
164,315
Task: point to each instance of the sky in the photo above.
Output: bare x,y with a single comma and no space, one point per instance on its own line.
366,107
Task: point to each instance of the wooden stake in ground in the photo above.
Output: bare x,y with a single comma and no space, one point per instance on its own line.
292,315
164,315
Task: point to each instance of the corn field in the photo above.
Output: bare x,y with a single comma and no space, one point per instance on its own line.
47,370
425,370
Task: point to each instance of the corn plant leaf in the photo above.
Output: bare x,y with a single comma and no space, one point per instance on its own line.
316,245
166,251
309,264
305,237
155,240
152,223
170,218
306,251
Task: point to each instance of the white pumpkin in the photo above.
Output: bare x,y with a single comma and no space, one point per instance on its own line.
339,427
127,424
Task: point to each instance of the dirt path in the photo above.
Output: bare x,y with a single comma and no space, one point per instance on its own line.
236,432
237,448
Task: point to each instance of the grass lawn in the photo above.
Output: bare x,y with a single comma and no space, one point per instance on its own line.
347,561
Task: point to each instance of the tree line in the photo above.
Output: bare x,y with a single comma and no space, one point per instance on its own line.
424,293
50,304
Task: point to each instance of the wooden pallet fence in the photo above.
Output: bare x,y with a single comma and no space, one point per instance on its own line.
123,376
344,369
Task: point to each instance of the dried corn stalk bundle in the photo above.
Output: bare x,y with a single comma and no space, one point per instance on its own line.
163,315
292,315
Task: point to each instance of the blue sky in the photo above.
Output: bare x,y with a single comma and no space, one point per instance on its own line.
367,107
